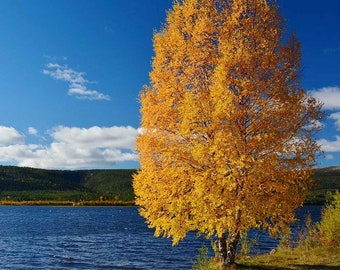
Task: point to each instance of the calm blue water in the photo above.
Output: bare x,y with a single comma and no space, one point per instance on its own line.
92,238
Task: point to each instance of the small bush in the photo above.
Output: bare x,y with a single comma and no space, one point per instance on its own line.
246,243
329,226
203,261
327,231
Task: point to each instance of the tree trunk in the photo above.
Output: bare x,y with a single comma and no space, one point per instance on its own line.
232,247
222,248
227,252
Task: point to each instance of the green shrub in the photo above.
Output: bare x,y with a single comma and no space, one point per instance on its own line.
203,261
329,226
246,243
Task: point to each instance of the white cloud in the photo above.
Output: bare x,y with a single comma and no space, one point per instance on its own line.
83,93
10,136
330,96
72,148
330,146
32,131
315,124
336,117
76,80
113,137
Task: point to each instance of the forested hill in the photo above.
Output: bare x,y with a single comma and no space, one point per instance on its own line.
326,181
28,184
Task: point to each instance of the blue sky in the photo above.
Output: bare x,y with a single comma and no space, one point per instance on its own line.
71,72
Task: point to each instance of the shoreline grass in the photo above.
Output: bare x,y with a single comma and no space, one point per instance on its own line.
323,257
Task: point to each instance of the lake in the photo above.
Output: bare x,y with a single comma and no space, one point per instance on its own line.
37,237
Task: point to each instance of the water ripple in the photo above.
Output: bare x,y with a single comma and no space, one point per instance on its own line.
89,238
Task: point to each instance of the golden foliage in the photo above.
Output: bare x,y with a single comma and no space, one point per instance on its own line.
227,132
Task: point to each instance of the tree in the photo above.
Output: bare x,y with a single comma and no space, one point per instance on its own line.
227,139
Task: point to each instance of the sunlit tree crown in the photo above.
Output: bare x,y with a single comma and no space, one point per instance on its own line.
227,140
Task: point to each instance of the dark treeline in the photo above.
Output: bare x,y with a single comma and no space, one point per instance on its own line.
326,182
29,184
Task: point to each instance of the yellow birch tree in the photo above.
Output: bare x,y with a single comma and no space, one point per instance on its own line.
227,139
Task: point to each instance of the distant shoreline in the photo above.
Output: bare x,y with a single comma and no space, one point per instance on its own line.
30,186
89,203
67,203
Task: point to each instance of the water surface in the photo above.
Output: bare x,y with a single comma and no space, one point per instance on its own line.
36,237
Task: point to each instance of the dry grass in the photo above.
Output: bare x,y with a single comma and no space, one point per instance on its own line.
300,258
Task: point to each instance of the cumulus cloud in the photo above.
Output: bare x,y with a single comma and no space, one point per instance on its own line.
10,136
72,148
330,96
336,118
32,131
114,137
76,80
330,146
